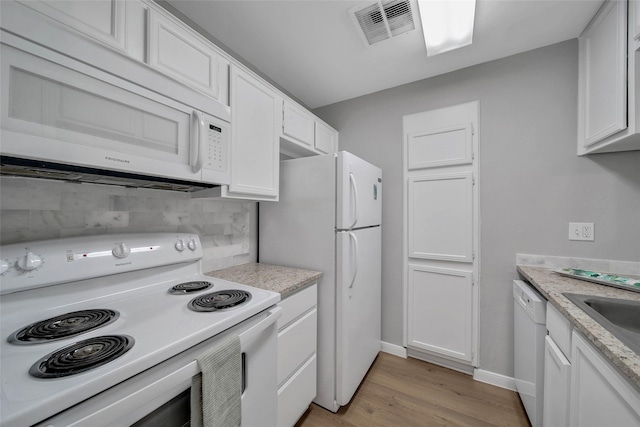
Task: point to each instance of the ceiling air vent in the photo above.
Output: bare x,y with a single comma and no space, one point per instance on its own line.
383,20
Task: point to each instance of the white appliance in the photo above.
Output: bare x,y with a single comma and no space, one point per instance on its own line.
111,294
529,315
62,118
329,220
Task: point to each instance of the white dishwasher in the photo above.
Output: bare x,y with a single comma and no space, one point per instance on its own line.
529,314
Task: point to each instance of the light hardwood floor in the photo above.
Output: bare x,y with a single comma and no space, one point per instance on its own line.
409,392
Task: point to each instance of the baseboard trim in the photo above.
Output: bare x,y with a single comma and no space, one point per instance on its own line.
396,350
492,378
440,361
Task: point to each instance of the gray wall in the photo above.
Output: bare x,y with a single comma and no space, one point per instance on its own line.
35,209
531,181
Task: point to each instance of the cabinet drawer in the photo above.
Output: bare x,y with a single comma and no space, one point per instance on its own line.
295,396
295,344
559,329
297,304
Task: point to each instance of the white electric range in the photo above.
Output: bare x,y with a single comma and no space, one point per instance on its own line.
124,316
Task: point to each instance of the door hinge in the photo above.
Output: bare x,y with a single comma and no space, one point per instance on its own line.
473,255
473,180
473,130
473,155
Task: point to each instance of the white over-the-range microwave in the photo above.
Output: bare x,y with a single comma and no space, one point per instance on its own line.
65,119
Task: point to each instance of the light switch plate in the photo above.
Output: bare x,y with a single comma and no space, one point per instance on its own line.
581,231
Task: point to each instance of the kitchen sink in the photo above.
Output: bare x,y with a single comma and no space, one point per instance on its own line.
619,316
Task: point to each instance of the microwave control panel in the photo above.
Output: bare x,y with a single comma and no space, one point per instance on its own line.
217,147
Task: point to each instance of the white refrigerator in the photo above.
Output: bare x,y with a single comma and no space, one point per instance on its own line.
328,219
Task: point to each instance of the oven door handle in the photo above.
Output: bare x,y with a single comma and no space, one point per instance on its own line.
248,336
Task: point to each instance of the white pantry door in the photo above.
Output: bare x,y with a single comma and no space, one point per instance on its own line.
441,238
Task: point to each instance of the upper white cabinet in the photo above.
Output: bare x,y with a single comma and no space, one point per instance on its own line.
256,126
326,138
122,37
607,102
304,134
102,20
177,51
297,123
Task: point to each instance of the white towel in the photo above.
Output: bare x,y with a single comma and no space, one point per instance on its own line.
216,393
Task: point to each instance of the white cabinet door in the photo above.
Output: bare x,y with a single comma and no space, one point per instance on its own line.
441,234
440,219
557,371
440,311
326,138
179,53
600,396
298,123
256,126
102,20
603,74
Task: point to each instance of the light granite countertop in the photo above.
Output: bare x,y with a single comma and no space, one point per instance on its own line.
284,280
552,286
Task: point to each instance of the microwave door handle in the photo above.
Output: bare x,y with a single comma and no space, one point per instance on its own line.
198,136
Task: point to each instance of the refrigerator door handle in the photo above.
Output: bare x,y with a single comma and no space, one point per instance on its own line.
355,259
354,187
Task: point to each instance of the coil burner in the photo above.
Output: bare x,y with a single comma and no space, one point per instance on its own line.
82,356
189,287
63,326
220,300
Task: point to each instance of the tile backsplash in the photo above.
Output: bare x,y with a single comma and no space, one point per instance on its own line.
36,209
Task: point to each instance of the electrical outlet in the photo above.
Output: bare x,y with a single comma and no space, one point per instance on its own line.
581,231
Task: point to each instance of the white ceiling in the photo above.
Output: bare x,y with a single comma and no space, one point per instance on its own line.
312,50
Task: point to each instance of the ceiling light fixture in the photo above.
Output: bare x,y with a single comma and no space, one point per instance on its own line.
447,24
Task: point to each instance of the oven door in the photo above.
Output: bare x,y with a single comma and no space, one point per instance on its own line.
157,391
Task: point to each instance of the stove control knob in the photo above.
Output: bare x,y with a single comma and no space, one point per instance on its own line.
5,267
29,262
193,245
121,250
180,245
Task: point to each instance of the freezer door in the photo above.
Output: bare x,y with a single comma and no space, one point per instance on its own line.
359,193
358,304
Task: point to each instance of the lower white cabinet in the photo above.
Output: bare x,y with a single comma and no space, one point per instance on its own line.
557,371
581,387
600,396
297,343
